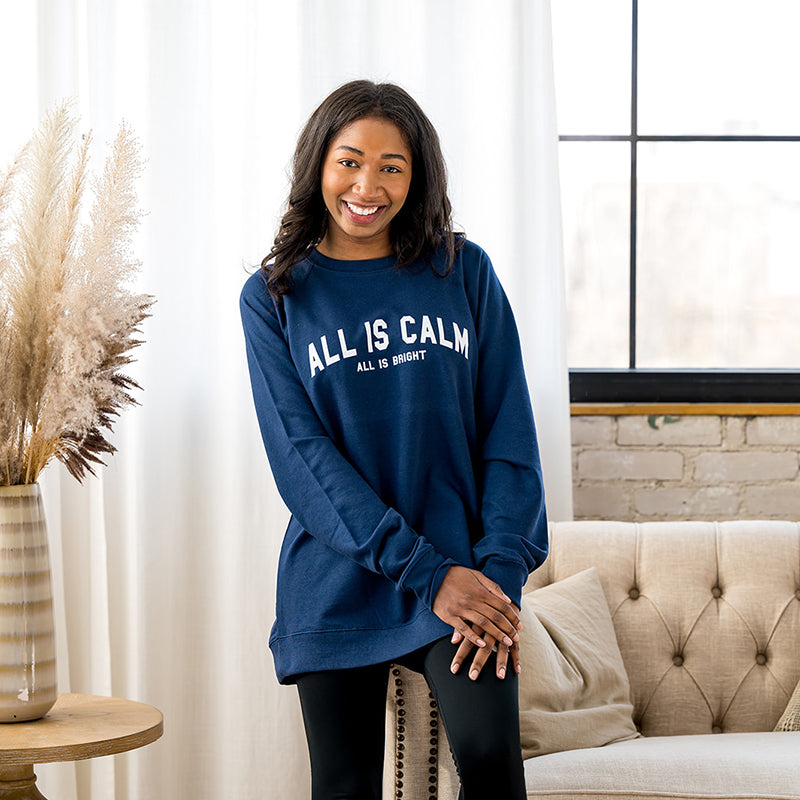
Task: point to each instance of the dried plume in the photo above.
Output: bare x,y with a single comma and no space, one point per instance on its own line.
68,321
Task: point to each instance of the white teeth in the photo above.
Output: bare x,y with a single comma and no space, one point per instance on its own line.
362,212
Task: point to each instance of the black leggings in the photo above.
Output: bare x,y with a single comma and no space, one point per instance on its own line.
344,716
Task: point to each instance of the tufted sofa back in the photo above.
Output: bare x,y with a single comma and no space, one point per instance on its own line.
707,616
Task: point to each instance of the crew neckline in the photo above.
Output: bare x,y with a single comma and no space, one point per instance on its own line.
363,265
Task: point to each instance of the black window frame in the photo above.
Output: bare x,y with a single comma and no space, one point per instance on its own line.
637,385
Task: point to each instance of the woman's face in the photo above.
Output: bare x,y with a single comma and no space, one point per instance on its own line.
366,176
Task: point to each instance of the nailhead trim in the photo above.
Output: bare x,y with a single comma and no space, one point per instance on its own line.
399,746
433,759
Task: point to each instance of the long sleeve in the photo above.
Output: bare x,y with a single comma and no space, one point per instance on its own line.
512,497
324,492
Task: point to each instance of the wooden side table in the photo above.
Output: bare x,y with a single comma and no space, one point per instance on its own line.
78,726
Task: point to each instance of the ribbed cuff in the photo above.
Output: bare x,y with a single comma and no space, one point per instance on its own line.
425,573
510,575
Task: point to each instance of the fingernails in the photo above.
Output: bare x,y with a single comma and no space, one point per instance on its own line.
507,642
516,637
474,675
506,598
519,669
481,643
454,667
501,673
454,638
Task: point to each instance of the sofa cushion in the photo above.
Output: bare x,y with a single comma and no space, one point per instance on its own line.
733,766
707,616
573,689
790,719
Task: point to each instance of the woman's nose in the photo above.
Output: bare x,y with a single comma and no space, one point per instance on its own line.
367,184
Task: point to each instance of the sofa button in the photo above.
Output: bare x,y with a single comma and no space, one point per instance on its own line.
761,659
716,591
716,729
677,660
633,594
797,594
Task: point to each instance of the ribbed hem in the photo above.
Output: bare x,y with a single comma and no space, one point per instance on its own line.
344,649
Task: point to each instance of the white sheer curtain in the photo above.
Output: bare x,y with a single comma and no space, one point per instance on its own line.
164,564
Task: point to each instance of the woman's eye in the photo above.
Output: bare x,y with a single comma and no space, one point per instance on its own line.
348,162
391,169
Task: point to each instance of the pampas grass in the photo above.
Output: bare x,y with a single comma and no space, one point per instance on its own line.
68,321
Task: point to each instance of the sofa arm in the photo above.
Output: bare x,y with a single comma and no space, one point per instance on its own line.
417,760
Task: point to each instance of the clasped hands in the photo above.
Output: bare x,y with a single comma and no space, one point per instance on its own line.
482,616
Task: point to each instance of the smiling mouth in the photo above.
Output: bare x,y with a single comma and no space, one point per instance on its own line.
362,213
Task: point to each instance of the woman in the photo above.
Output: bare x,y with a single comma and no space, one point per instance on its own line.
389,388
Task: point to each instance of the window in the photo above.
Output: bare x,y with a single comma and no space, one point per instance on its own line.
680,169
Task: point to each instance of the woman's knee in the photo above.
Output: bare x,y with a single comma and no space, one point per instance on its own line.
481,719
489,769
474,750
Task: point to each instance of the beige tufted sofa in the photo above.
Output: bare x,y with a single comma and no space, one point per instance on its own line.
707,617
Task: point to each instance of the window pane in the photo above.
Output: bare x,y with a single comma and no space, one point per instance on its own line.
595,196
719,67
718,257
592,62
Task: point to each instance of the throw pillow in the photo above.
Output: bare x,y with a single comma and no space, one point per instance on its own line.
790,719
573,689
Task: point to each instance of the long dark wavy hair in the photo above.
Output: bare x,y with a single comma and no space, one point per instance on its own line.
422,225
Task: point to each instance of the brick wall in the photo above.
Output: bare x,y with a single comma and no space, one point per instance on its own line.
712,467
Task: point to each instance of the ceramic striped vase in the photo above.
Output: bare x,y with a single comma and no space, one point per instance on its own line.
27,641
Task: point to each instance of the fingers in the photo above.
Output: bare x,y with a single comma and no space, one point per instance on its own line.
468,633
515,662
467,600
502,661
493,587
493,624
461,654
480,659
482,656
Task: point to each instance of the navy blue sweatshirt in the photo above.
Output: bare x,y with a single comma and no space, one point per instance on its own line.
398,426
